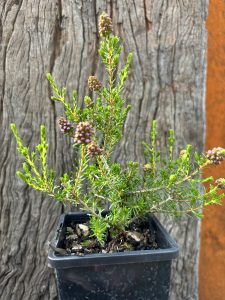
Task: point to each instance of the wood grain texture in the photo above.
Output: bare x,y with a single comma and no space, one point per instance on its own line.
167,82
212,271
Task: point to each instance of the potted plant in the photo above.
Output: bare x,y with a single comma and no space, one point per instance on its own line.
115,248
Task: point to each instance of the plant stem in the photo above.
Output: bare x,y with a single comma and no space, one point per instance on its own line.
107,143
160,203
80,202
144,191
34,169
86,207
186,178
192,174
77,183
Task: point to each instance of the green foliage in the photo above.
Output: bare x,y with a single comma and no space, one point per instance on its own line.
110,110
43,179
99,226
73,113
169,185
151,153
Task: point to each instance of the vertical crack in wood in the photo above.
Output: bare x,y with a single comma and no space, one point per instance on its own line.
56,50
57,35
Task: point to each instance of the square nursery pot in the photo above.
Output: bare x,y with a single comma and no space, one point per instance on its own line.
139,275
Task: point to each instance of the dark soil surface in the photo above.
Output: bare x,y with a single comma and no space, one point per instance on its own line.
78,240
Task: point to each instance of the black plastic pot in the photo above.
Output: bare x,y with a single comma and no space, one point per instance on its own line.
134,275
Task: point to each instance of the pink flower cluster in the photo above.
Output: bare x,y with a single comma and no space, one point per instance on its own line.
216,155
83,133
64,125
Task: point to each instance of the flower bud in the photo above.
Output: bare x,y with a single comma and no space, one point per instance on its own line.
147,168
216,155
94,150
83,133
105,25
64,125
94,84
183,154
220,183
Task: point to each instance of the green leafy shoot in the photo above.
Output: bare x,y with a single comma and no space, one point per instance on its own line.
42,179
72,113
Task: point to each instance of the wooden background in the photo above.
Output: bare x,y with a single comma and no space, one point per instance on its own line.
167,83
212,258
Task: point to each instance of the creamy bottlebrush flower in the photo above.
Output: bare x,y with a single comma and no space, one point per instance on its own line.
216,155
220,183
83,133
105,25
94,84
64,125
94,150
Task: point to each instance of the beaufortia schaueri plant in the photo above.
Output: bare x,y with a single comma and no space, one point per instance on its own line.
169,186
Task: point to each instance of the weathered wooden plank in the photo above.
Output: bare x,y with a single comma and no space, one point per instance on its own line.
167,81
